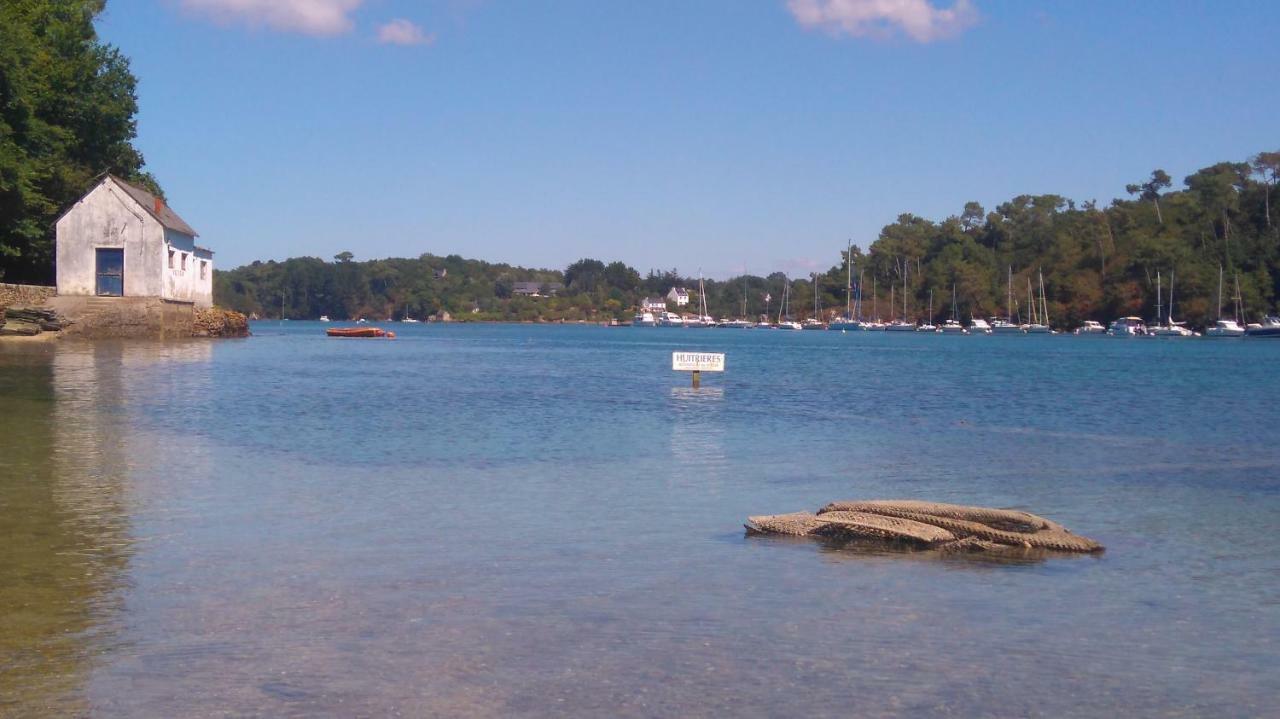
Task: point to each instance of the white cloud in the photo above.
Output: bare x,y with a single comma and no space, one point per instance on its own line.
309,17
403,32
921,20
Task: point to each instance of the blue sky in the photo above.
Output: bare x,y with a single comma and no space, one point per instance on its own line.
702,134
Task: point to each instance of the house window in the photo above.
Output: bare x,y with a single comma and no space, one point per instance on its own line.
184,262
171,259
204,268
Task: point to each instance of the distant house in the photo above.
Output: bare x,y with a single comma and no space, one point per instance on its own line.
120,240
536,289
679,295
440,274
653,304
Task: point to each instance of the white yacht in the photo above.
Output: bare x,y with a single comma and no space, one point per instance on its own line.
1269,328
1225,328
1165,326
813,324
1091,327
409,320
953,326
1127,327
670,319
644,319
1039,313
979,326
1006,325
899,326
324,318
735,324
789,325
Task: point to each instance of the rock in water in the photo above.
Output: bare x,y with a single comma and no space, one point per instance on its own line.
953,527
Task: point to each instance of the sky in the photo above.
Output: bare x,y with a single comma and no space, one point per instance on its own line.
711,136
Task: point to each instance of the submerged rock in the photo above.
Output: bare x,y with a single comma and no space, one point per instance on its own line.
951,527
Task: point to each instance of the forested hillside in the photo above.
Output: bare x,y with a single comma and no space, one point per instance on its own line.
67,107
1098,263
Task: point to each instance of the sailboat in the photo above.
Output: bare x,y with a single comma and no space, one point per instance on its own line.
1165,326
1039,316
952,325
1224,327
1006,326
814,322
928,325
901,325
847,322
784,306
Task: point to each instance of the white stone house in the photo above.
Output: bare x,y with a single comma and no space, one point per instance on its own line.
120,240
653,304
679,295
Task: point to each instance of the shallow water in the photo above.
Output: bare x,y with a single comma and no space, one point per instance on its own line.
538,521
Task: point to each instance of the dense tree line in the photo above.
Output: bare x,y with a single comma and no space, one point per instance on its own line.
1097,263
67,106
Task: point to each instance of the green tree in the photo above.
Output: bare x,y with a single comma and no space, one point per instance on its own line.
67,107
1150,190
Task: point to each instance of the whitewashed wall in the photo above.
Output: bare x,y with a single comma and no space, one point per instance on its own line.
107,217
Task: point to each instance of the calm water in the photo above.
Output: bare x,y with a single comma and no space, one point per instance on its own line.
537,521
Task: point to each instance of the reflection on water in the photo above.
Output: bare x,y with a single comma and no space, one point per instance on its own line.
531,521
64,530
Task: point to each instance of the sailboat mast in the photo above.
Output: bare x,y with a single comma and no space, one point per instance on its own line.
1219,291
861,274
1044,303
875,307
1009,316
1159,299
1172,275
848,281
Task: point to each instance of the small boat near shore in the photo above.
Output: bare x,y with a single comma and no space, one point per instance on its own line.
359,332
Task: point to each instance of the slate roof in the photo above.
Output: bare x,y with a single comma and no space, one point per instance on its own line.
166,216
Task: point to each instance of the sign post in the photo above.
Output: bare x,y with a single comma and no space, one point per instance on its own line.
697,363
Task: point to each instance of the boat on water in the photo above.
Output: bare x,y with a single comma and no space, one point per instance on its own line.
784,318
670,319
901,325
1006,325
644,319
1127,327
1090,327
1269,328
324,318
410,321
735,324
979,326
952,325
812,323
1226,327
1039,324
359,332
1165,326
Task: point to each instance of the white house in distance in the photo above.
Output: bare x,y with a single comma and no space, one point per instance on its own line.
120,240
679,295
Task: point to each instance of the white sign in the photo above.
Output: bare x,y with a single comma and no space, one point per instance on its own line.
697,361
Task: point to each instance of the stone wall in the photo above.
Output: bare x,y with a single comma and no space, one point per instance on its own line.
126,317
14,295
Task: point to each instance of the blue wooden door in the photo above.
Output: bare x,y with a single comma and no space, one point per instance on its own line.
110,272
